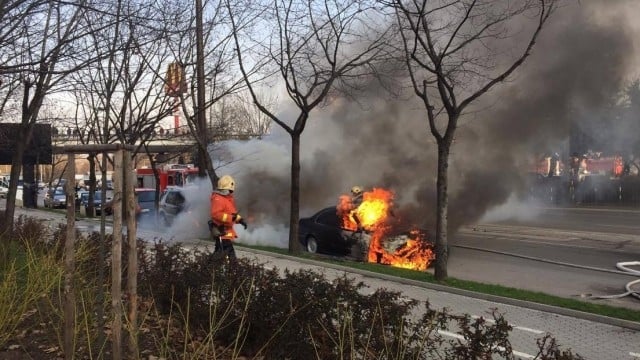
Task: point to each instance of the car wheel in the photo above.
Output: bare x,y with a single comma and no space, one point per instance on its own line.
312,244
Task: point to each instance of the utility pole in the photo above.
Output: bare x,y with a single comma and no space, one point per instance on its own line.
201,120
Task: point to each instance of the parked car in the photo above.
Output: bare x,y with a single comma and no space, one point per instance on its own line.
4,187
146,199
322,232
171,204
55,198
97,201
80,196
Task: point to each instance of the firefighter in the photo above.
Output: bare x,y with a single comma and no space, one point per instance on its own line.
356,196
224,215
361,247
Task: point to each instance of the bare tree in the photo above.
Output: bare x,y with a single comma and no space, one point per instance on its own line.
454,56
236,117
218,69
121,99
41,58
314,45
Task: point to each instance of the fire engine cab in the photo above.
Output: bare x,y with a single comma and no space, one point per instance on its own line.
168,175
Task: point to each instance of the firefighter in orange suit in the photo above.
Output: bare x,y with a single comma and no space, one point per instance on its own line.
224,215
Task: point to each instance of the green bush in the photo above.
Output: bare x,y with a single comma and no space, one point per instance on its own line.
257,311
194,305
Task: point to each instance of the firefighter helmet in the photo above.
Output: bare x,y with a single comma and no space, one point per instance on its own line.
226,183
356,190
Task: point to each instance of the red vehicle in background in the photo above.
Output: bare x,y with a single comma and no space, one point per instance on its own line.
168,175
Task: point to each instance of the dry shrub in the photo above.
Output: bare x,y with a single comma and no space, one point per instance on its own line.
200,307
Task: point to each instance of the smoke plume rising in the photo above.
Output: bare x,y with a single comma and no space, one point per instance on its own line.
582,59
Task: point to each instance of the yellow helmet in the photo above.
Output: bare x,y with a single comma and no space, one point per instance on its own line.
356,190
226,183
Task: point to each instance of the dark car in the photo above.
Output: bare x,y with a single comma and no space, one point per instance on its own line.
146,199
171,204
322,232
97,201
55,198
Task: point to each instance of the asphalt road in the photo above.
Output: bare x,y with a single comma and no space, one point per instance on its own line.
586,219
569,252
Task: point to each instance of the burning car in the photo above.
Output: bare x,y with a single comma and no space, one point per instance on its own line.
323,233
366,232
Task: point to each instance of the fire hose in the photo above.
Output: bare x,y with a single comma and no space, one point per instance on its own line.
624,266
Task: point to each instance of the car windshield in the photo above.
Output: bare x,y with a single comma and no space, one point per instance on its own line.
96,195
59,192
146,196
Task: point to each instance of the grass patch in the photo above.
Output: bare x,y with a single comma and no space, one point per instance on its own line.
490,289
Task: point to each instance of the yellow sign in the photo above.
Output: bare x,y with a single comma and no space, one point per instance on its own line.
175,83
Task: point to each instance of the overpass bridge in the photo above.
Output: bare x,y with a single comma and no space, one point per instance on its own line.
179,141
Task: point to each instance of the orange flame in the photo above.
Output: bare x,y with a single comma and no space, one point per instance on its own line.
373,215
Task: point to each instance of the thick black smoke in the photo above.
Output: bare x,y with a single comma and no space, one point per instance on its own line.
580,62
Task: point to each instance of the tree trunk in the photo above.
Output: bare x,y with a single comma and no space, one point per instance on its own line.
116,258
16,169
69,261
128,168
442,255
294,244
29,187
201,120
92,185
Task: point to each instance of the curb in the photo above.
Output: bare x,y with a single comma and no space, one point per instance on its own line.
632,325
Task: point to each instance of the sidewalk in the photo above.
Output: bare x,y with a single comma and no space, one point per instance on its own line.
592,336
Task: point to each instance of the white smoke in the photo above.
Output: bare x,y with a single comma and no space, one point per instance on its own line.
191,222
380,142
514,209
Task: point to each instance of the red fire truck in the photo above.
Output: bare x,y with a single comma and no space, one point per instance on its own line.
168,175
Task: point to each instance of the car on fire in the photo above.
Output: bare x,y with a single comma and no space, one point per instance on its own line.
323,232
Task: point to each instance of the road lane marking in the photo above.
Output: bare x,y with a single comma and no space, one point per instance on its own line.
634,354
522,328
460,337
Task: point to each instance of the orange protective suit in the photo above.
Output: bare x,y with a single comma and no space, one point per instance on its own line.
223,208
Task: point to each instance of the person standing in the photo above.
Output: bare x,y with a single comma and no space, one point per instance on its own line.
224,215
360,249
356,196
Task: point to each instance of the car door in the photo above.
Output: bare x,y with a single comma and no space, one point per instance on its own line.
168,206
174,203
329,231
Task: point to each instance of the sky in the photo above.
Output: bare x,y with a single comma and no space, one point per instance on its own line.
586,54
